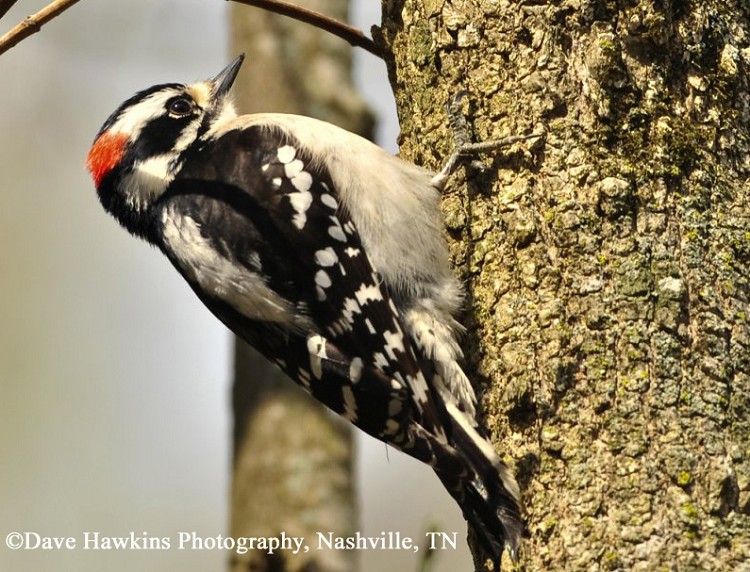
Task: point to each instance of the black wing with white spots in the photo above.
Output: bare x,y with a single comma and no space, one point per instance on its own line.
258,230
253,200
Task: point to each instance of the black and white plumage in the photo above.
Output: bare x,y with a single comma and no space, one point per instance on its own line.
325,253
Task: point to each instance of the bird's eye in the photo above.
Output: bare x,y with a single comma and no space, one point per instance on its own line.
180,106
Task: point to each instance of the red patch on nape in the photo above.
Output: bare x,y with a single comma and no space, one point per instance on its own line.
105,154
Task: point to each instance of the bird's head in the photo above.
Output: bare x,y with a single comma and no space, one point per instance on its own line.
139,148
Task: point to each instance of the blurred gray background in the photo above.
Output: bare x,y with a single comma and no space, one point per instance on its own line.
114,380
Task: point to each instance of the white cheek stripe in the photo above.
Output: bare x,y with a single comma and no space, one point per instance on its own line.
157,167
149,179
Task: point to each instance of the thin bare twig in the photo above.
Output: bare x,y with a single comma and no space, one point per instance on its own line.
6,5
33,23
331,25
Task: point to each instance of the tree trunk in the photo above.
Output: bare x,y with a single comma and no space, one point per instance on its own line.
293,459
607,264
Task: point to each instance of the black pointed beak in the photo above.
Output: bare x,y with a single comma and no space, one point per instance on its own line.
222,82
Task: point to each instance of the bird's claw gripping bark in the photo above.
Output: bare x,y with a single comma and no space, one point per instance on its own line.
463,145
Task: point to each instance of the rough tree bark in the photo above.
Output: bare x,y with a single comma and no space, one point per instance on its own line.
293,459
607,265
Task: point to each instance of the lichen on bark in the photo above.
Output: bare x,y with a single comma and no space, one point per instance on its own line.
607,266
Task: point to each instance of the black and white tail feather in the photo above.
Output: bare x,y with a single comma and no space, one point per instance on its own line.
325,253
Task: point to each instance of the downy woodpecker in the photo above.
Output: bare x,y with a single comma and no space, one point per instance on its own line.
326,254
